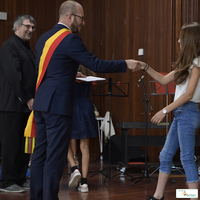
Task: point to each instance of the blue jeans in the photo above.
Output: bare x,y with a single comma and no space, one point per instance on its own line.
182,134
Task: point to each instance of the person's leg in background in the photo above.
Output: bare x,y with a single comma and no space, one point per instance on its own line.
14,160
84,146
75,175
73,148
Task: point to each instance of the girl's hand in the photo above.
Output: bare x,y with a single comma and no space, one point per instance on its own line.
79,75
158,117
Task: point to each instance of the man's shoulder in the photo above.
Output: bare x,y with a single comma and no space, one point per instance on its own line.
73,39
10,42
52,32
11,39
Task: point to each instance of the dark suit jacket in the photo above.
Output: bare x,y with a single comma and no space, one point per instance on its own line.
17,75
56,92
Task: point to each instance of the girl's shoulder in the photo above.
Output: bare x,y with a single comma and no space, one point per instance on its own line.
196,62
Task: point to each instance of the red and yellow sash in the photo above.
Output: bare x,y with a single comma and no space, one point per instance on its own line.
48,50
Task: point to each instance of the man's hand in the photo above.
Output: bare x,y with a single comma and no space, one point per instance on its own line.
142,64
134,65
30,104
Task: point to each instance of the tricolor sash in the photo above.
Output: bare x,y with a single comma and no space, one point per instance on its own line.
48,50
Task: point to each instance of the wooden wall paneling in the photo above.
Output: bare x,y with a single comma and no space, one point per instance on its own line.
198,14
176,11
156,47
5,25
121,105
87,31
46,17
133,43
138,34
5,33
42,16
100,46
147,27
108,48
93,37
156,23
189,11
95,31
45,13
5,6
160,47
154,35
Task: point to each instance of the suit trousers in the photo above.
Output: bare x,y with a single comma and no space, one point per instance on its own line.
53,133
14,160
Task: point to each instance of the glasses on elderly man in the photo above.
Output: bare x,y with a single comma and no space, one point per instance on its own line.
29,26
82,18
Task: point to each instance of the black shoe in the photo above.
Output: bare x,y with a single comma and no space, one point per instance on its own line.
13,188
153,198
25,185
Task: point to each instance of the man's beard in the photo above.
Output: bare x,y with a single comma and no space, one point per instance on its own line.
74,27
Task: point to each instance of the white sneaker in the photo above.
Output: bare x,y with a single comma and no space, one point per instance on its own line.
74,179
83,188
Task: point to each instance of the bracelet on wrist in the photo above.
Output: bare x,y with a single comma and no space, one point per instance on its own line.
146,67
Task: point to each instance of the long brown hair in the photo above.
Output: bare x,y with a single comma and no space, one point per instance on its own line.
85,71
190,49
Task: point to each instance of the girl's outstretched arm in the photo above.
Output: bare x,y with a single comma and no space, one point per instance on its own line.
163,80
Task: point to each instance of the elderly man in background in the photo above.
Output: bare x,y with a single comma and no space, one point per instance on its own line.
17,90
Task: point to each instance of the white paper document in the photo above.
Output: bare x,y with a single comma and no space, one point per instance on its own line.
91,78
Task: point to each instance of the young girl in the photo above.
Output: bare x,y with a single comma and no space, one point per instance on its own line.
84,127
186,75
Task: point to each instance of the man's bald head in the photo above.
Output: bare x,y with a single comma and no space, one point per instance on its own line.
71,14
67,7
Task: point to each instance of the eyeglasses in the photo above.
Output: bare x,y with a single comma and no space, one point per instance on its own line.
82,18
29,26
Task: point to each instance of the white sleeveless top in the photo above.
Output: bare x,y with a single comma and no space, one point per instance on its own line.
181,88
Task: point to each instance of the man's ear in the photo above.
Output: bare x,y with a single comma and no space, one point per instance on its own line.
70,17
17,27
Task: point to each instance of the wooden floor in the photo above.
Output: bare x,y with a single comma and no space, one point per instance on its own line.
116,188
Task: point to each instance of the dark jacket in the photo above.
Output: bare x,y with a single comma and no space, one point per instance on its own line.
17,75
56,91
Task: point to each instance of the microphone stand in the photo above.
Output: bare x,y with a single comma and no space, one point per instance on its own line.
108,168
147,101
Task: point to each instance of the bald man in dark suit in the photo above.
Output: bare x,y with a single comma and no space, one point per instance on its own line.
60,51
